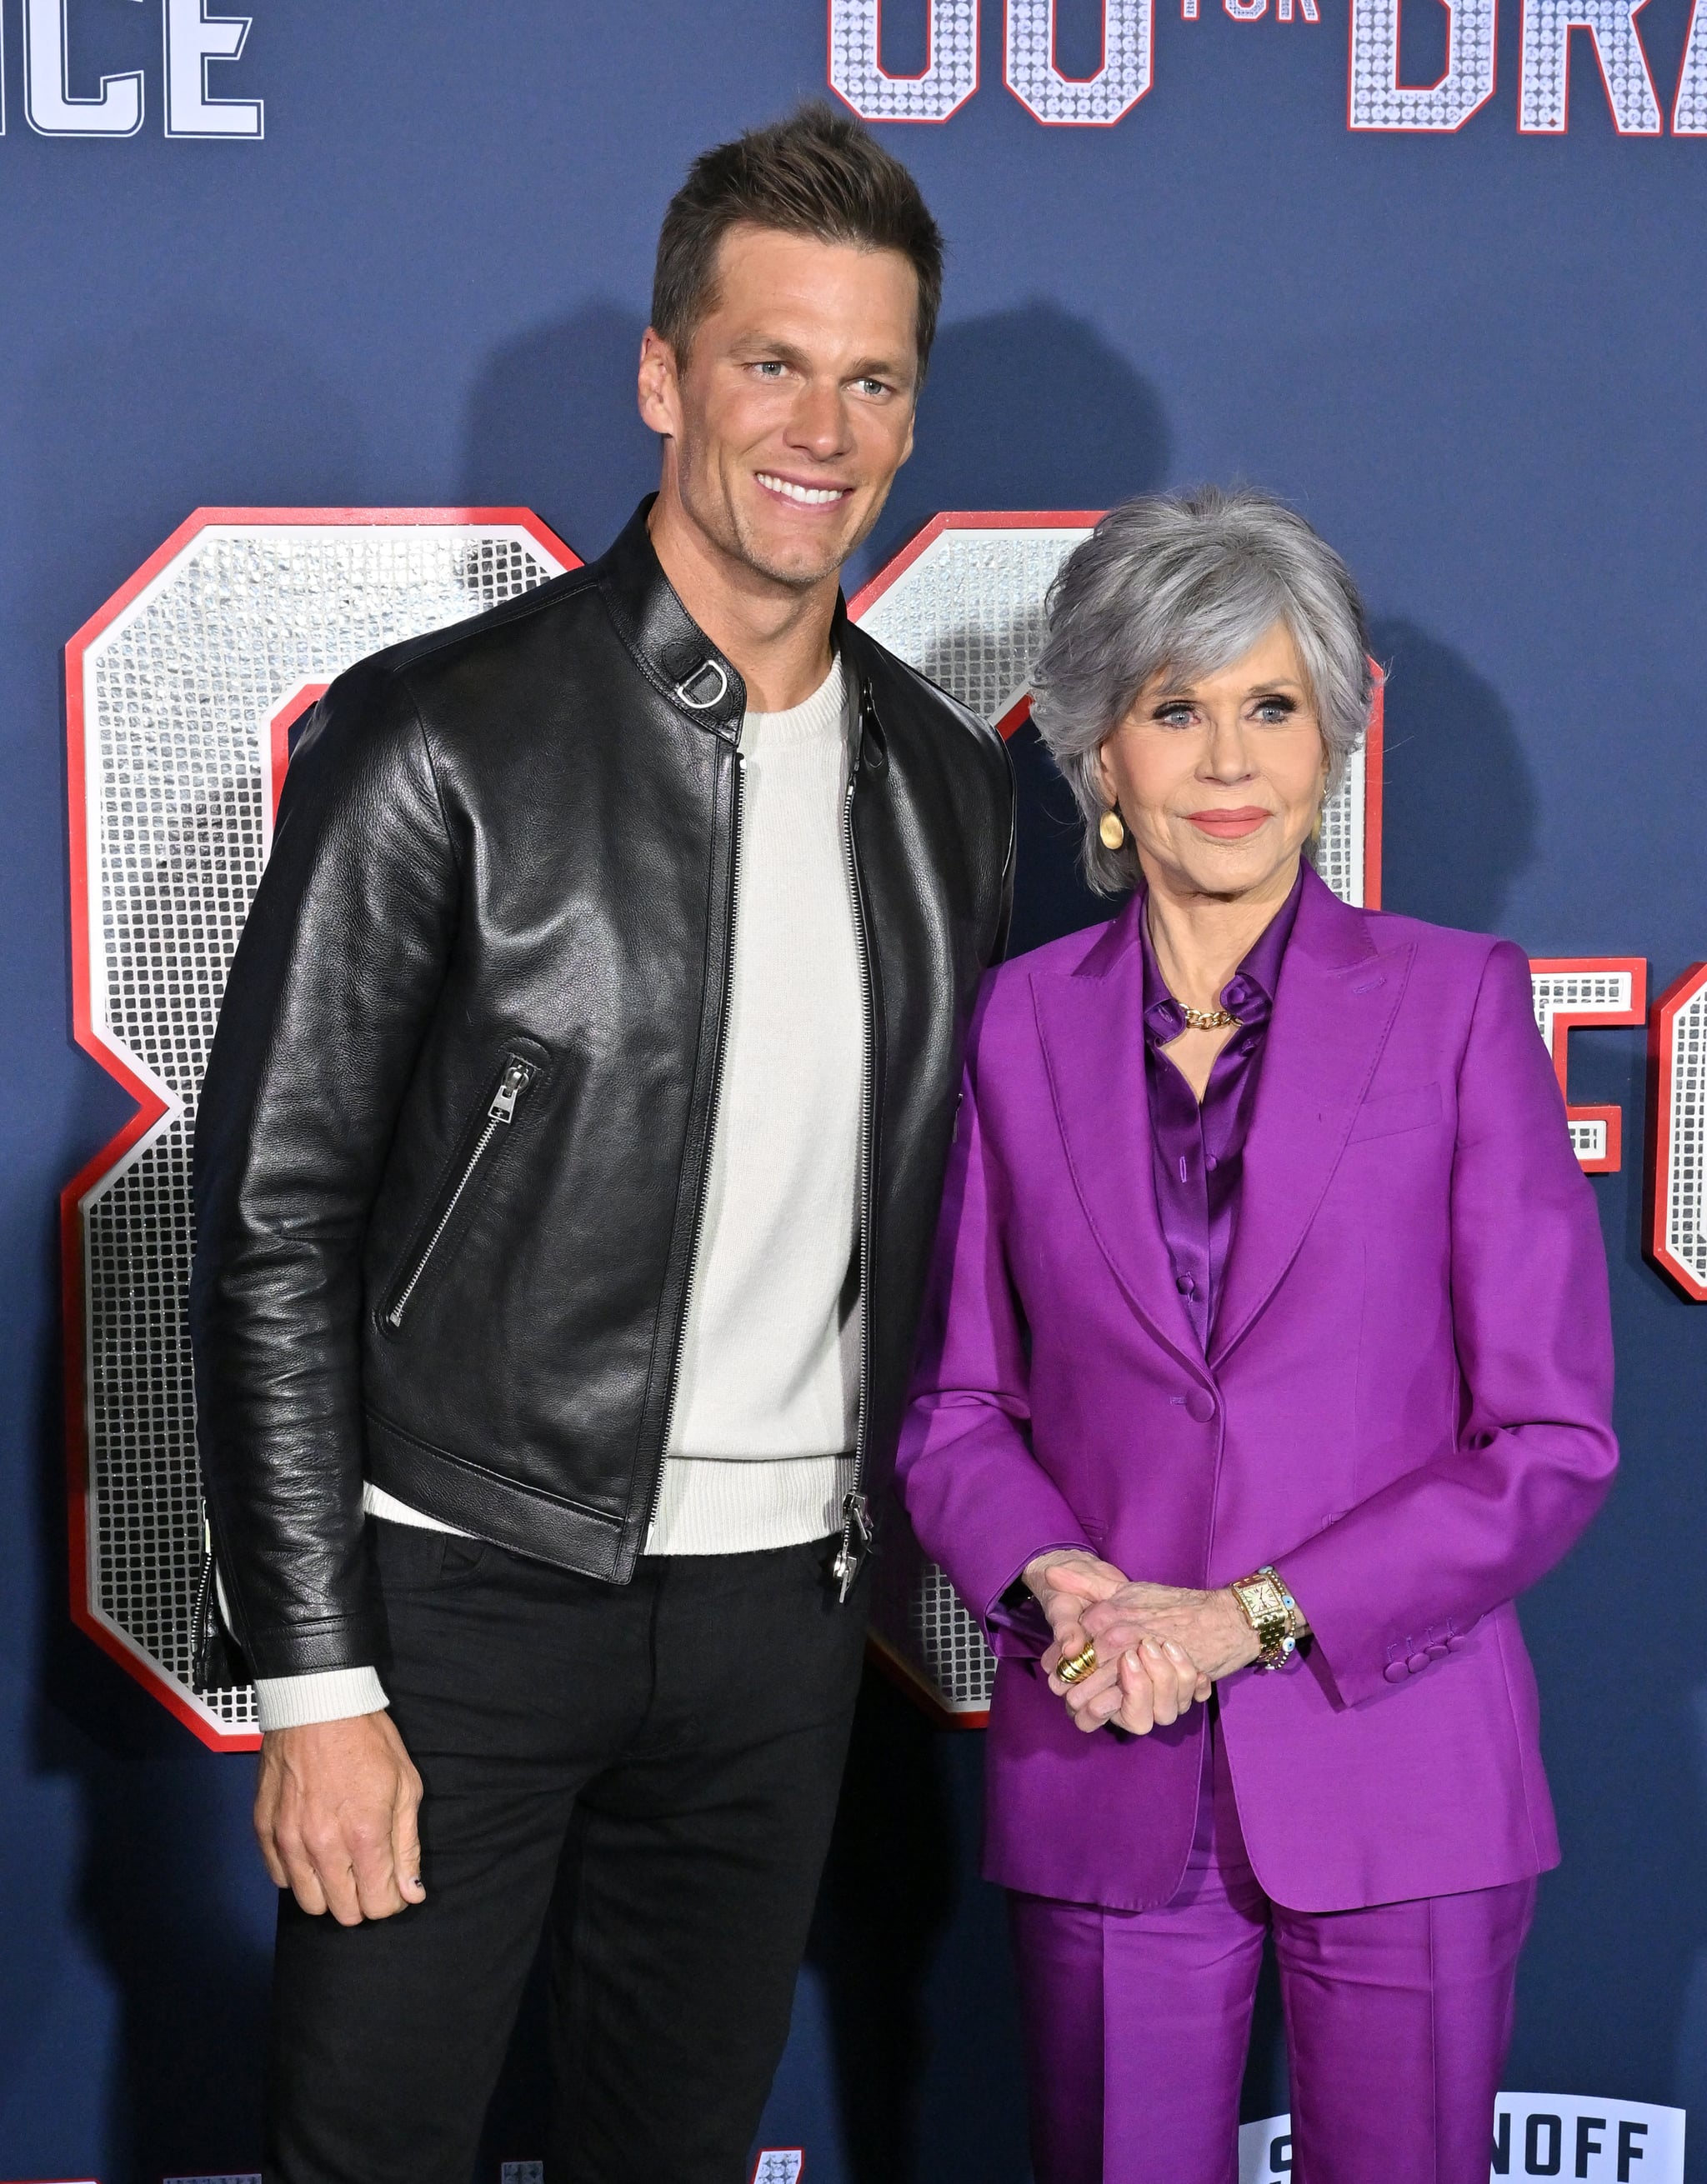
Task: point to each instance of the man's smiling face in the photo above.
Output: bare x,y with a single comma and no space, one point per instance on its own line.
792,410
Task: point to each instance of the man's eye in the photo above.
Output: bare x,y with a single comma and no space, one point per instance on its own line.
770,368
873,388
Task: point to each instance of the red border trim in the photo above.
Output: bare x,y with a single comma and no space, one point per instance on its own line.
902,1673
1659,1163
1566,1020
1375,789
151,1109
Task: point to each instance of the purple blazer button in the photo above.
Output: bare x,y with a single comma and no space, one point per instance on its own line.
1417,1663
1200,1404
1454,1642
1437,1651
1396,1672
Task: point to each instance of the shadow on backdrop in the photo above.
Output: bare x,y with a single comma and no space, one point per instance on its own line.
1452,750
170,1901
552,426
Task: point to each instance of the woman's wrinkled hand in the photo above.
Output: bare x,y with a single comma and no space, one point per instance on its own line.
1138,1688
1209,1628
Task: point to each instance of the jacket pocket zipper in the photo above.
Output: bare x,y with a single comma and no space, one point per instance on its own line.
500,1116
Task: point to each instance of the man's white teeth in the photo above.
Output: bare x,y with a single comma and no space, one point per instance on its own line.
812,496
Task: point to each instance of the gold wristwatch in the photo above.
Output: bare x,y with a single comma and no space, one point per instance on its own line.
1272,1613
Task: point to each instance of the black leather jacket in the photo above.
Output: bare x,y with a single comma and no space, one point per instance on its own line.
452,1145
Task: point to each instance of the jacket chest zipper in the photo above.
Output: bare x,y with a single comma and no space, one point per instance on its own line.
704,1183
856,1525
500,1116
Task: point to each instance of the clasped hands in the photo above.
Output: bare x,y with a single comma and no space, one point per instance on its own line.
1159,1648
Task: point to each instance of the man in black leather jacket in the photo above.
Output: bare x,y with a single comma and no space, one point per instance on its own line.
563,1217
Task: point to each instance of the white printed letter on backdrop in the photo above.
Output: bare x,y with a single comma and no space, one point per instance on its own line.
947,81
1377,99
1543,98
194,41
1086,102
115,110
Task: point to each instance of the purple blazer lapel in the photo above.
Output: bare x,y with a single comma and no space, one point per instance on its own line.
1090,1024
1339,992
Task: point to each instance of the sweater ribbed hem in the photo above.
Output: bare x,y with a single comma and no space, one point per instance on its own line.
708,1506
321,1695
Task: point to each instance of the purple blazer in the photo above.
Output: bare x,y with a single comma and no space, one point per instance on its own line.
1405,1406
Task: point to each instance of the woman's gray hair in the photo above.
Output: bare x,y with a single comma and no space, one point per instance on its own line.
1185,584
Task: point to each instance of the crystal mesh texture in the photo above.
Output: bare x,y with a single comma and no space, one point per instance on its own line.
1686,1125
1377,99
1128,30
1544,96
1689,111
857,69
969,613
177,696
1580,993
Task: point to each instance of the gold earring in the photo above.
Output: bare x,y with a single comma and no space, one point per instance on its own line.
1111,832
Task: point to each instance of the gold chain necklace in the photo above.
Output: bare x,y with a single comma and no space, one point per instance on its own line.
1205,1019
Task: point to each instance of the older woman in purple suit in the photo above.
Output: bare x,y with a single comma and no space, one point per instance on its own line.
1268,1362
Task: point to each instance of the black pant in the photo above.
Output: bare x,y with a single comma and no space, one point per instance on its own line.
648,1772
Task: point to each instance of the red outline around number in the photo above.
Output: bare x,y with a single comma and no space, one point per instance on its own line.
1566,1020
151,1109
1658,1162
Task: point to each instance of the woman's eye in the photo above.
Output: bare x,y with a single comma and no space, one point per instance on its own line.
1175,716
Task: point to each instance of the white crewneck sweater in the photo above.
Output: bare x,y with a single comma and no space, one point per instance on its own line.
767,1400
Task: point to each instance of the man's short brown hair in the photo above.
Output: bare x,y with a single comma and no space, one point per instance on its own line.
819,174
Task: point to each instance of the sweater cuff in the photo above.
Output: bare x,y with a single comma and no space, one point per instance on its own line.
320,1695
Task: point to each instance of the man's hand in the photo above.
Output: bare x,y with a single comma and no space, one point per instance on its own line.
335,1816
1209,1627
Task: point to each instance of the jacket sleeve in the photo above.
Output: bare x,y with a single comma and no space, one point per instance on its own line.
331,991
979,1502
1417,1563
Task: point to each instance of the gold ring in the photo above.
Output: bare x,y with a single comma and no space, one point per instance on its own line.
1081,1664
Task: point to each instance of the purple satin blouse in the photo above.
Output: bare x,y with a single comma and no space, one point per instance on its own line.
1199,1150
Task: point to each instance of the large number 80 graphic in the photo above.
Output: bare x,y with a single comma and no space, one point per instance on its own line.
182,694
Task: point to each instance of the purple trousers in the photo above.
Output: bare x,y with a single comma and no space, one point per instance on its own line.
1397,2018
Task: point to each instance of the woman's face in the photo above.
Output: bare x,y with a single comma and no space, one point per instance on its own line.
1219,777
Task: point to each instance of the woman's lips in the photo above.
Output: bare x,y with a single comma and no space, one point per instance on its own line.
1228,826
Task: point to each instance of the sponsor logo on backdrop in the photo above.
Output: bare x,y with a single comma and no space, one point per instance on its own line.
66,92
1376,96
1534,2135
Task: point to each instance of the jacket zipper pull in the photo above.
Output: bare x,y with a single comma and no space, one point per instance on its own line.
514,1083
855,1543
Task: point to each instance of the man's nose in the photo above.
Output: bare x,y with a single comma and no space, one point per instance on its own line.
819,424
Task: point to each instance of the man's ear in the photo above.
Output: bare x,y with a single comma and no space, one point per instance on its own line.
657,388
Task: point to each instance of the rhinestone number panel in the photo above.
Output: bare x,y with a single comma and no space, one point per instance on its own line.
176,691
1128,41
968,610
1379,101
1543,98
858,75
1678,1242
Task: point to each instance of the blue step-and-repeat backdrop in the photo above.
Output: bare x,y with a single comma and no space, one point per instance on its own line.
365,287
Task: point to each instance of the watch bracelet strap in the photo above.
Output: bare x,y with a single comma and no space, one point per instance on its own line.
1272,1613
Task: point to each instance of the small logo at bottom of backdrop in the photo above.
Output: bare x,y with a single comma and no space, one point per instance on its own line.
1534,2135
